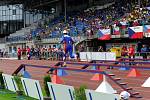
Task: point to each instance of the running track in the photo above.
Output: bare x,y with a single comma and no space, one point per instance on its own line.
76,79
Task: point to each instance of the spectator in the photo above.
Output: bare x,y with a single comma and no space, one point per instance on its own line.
131,53
23,52
28,53
124,51
139,46
19,53
81,48
13,52
144,50
100,49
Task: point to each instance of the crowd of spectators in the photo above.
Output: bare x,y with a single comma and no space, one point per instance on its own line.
38,53
87,23
48,53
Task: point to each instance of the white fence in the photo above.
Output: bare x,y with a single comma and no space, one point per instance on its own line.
88,56
33,89
9,82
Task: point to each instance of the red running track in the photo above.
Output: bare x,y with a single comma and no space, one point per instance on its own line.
76,79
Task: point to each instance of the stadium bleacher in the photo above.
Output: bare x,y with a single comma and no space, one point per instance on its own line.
88,23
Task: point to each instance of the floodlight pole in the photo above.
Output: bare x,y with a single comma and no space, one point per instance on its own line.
65,6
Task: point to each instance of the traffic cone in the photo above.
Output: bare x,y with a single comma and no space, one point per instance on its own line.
56,79
61,72
134,73
97,77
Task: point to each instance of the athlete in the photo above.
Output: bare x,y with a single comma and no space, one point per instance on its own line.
67,42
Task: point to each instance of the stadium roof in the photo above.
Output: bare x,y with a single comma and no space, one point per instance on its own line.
30,4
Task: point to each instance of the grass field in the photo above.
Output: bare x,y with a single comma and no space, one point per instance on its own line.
7,95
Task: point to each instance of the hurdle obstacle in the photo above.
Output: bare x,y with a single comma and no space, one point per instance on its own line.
55,77
97,77
117,81
148,59
110,76
122,61
115,66
106,65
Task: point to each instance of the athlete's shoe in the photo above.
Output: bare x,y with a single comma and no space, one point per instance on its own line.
64,64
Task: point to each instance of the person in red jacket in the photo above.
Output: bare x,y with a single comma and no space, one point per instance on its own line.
19,53
131,53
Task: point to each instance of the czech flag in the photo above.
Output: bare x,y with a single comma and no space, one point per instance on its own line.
116,31
147,30
104,34
135,32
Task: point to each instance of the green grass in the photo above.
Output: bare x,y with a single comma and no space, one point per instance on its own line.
7,95
43,92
